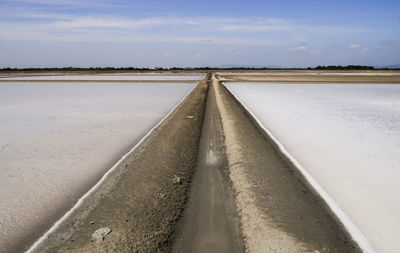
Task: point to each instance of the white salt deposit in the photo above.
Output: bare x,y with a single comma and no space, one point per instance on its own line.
347,136
106,77
312,73
58,139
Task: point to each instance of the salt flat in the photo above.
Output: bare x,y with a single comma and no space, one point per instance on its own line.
347,136
317,73
105,77
58,139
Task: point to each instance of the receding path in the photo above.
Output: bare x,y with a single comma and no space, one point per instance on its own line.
210,223
240,177
139,199
280,211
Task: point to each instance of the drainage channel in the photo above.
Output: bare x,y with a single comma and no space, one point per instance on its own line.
210,223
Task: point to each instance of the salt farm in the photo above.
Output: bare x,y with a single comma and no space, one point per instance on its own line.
213,161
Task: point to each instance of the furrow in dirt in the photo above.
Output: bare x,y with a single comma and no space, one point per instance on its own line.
211,222
279,210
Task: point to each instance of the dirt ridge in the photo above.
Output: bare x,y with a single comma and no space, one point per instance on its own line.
144,196
279,211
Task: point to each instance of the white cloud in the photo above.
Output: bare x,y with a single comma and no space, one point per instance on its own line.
299,49
231,51
207,23
284,25
250,28
108,22
53,27
354,46
69,3
57,34
74,21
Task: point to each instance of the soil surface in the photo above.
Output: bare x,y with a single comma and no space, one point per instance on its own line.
211,223
279,211
143,198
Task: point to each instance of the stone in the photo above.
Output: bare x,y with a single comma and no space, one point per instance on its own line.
177,180
99,234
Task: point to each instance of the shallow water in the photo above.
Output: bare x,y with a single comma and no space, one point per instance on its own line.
58,139
107,77
347,136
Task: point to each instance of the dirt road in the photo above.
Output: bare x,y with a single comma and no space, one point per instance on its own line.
211,223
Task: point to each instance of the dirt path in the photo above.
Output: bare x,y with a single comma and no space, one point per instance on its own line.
279,211
211,223
140,201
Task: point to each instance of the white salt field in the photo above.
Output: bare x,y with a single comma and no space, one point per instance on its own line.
106,77
347,136
58,139
318,73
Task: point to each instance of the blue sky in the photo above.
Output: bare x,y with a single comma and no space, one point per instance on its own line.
58,33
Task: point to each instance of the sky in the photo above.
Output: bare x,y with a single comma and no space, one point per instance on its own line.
176,33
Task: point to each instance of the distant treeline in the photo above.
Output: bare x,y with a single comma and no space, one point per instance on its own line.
348,67
111,69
